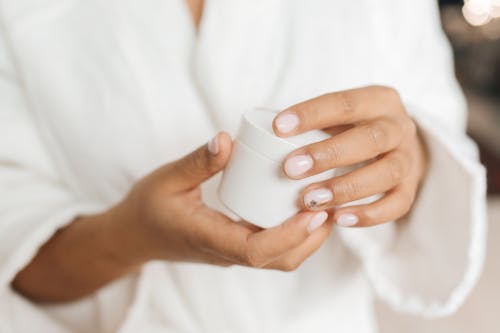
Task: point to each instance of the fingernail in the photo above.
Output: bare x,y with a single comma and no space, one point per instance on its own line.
213,145
347,220
317,221
317,197
297,165
286,122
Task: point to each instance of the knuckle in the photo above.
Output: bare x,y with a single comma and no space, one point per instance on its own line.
346,102
190,165
346,190
311,116
329,152
199,160
377,137
252,258
396,169
196,162
334,152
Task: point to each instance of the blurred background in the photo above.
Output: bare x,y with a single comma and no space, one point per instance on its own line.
474,32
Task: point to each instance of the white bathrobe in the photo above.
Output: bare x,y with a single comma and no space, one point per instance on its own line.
95,94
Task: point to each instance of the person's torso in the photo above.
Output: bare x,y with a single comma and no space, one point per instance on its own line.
119,88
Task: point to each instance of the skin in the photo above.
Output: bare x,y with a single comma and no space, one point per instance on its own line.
164,218
196,10
374,128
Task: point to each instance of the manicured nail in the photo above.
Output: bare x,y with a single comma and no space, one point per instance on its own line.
317,221
286,122
317,197
213,145
298,165
347,220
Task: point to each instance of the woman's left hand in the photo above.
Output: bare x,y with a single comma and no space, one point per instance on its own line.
373,127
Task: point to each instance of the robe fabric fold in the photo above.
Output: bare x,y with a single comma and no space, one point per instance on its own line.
96,94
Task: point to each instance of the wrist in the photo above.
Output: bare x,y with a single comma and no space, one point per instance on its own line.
130,245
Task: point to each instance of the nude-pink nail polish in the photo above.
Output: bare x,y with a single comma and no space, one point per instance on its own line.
286,122
298,165
347,220
317,221
317,197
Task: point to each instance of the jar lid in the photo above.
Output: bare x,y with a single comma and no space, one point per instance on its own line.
256,131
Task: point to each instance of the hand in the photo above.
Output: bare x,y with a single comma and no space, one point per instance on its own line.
164,218
372,126
165,208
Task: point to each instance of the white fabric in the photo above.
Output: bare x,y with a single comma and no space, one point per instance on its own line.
95,94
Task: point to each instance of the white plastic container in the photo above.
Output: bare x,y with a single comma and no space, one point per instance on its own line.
253,185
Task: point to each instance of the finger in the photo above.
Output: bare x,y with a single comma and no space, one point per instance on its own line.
214,233
356,145
394,205
294,258
339,108
191,170
377,177
256,249
265,246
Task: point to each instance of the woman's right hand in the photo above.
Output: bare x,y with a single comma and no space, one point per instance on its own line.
165,210
163,217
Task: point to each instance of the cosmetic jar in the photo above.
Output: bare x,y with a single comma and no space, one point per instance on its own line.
253,185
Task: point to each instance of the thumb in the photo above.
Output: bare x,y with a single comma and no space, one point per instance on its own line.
198,166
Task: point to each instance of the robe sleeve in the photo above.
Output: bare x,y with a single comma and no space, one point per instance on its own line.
428,262
35,199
